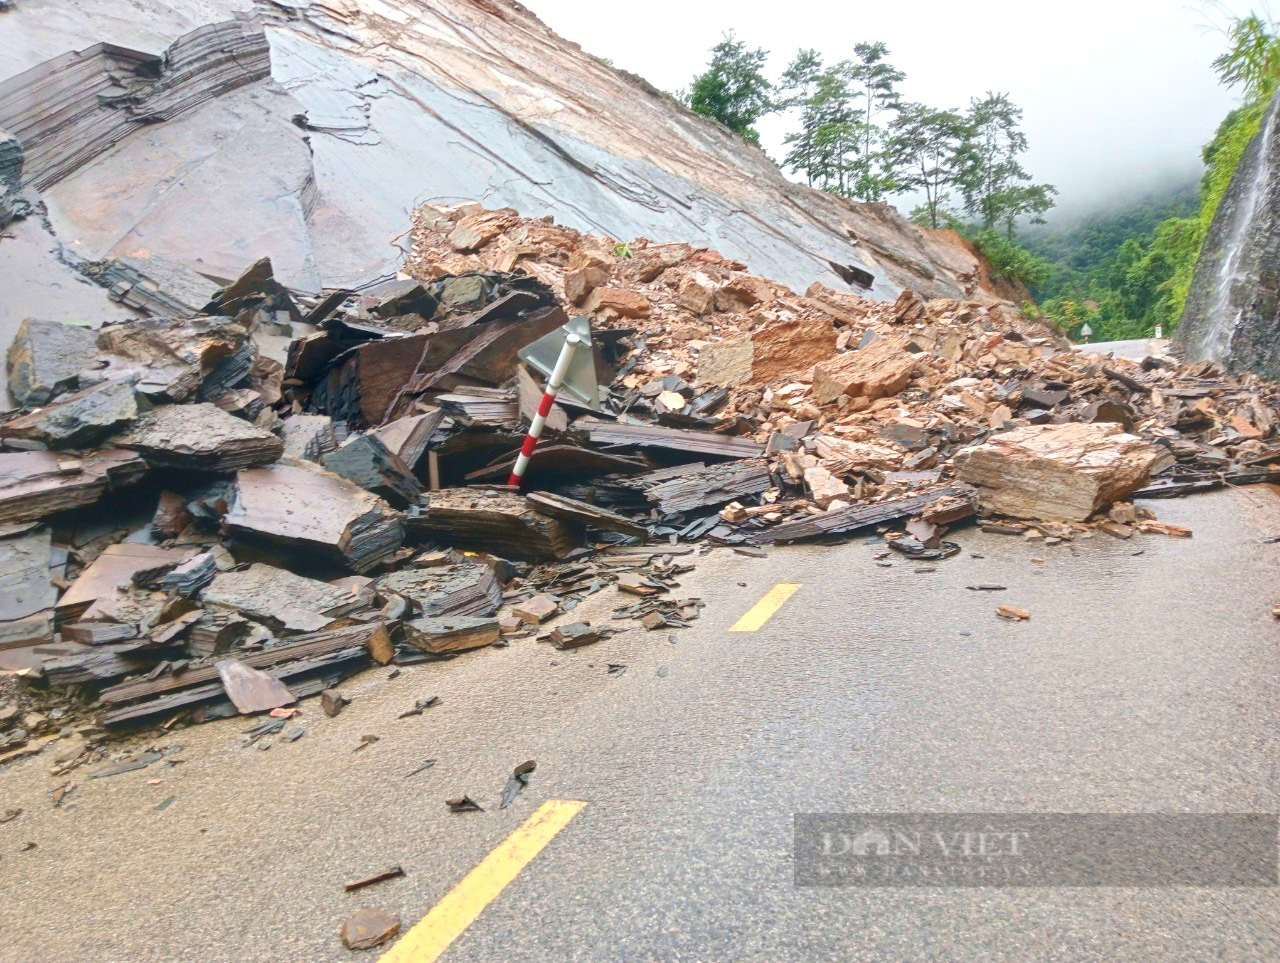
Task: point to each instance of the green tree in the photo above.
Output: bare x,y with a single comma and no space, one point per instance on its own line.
1011,262
1252,58
799,89
922,153
838,135
733,89
1026,201
874,82
995,185
1114,268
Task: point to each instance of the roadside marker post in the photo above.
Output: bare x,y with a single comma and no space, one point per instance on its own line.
574,372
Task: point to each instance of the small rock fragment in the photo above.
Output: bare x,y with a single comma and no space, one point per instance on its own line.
1012,614
537,609
369,928
332,702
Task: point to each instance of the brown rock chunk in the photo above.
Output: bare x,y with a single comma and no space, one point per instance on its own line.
113,570
279,599
381,648
726,363
574,635
825,488
408,437
332,702
1064,472
477,229
586,271
617,301
451,633
880,370
583,513
466,588
369,928
1012,614
697,294
909,309
171,517
199,437
743,292
537,609
197,359
789,347
38,483
843,307
46,358
497,522
768,354
842,455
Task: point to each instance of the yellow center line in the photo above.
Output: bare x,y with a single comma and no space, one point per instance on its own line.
766,608
463,904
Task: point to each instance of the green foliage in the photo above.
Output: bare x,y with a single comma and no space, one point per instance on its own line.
801,85
996,187
922,151
1251,62
1252,58
875,83
840,145
1127,271
733,89
1011,261
1221,156
1114,269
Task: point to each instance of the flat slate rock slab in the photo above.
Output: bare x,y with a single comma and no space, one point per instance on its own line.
199,437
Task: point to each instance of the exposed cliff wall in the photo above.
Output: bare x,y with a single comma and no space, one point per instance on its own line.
187,150
1233,310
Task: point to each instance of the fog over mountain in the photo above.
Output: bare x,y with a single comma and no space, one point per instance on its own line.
1118,96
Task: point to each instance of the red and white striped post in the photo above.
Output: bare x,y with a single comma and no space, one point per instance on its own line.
571,343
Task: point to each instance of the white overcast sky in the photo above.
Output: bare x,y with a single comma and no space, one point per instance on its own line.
1118,94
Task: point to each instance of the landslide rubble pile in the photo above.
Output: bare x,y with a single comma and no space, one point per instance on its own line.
224,513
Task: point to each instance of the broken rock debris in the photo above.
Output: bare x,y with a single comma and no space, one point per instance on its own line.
235,509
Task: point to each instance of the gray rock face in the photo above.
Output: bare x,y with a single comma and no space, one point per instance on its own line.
1233,312
79,419
46,358
199,437
10,175
307,134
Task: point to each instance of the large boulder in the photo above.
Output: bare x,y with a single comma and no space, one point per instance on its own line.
1057,472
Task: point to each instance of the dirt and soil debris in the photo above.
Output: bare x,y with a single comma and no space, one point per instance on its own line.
227,513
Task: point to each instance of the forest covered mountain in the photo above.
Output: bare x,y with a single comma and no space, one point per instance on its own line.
1111,268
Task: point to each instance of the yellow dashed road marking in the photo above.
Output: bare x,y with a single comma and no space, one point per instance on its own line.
766,608
449,918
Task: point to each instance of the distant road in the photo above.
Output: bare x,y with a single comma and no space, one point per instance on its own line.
1134,350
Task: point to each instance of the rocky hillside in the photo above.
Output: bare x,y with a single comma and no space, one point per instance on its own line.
183,144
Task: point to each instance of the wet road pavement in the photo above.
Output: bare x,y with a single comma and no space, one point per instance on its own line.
1146,681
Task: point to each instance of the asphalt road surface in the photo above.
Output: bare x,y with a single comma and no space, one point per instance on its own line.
1146,681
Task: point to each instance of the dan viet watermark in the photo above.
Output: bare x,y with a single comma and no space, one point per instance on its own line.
1036,849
